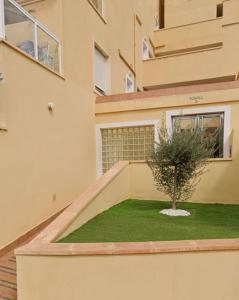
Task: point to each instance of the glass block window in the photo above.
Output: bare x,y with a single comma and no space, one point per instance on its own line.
126,143
210,123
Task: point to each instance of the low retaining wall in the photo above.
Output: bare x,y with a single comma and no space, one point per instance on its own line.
175,276
175,270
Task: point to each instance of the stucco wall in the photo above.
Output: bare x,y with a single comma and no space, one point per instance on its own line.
116,191
47,159
217,185
43,165
191,35
176,276
184,12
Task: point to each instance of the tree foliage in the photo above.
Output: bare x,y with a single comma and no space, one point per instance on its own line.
179,159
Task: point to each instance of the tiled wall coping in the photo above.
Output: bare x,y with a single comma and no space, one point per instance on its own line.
169,91
128,248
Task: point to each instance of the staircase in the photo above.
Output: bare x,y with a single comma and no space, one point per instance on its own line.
8,268
8,277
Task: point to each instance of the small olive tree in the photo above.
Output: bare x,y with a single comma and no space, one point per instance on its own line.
179,159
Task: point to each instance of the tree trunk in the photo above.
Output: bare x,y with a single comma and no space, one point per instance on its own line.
174,204
175,188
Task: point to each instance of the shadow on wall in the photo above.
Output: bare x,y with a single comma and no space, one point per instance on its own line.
218,185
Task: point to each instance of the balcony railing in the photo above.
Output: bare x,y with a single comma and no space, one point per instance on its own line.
26,33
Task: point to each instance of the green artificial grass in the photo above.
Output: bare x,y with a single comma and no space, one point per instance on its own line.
138,220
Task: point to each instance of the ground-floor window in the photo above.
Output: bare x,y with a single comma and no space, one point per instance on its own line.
211,123
126,143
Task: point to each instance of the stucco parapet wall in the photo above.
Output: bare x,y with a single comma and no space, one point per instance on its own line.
218,20
55,229
170,97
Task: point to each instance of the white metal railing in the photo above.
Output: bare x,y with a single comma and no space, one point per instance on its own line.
26,33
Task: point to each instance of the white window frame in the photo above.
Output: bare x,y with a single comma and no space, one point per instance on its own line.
2,22
129,78
145,44
204,110
106,56
99,161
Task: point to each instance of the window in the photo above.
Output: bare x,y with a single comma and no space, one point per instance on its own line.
129,83
211,123
30,36
220,10
126,143
100,70
146,51
98,5
161,20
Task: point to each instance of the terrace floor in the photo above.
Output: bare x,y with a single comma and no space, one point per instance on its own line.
140,220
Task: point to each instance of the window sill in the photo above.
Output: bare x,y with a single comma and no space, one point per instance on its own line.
96,10
209,160
220,159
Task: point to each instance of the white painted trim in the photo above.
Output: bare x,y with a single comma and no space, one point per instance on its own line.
104,53
60,57
99,170
145,43
35,40
128,77
2,21
203,110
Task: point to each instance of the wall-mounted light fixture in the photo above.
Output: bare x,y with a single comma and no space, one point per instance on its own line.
51,106
3,128
1,77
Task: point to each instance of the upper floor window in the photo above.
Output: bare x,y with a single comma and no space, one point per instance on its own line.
145,50
100,70
98,5
220,10
211,124
161,14
129,83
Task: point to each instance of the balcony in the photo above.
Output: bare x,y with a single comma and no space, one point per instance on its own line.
195,53
190,36
201,66
23,31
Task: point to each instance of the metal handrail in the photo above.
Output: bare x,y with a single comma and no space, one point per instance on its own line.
34,20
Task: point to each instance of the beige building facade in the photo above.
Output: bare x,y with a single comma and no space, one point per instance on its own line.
86,84
48,154
52,74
